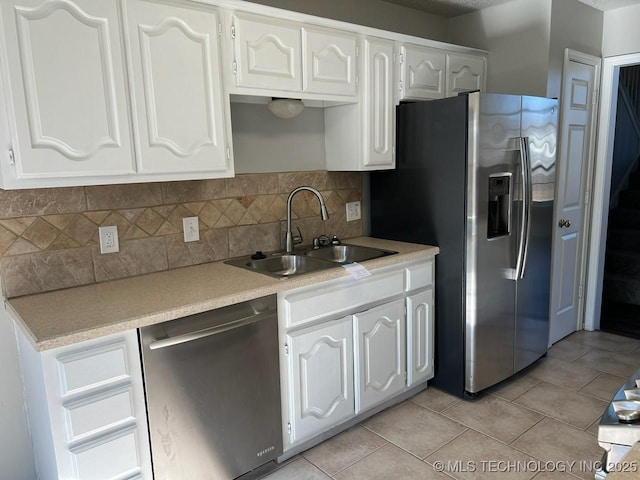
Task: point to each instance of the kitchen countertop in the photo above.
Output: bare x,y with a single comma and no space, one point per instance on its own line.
63,317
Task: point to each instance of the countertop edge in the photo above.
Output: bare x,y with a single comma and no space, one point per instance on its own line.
28,311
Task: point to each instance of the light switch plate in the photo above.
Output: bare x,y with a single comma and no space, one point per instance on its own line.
191,229
353,211
109,239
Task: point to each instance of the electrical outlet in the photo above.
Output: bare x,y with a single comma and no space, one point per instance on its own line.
191,229
109,239
353,211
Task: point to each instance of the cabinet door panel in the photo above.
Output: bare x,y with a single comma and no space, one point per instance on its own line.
380,352
268,53
423,72
68,94
464,73
321,366
177,88
419,337
329,62
379,123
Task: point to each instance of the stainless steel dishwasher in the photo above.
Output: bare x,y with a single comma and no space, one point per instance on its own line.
213,392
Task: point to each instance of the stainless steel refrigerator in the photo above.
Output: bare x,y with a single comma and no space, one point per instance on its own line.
475,175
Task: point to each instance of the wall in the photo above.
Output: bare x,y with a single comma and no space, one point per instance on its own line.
371,13
517,36
621,33
48,237
576,26
263,142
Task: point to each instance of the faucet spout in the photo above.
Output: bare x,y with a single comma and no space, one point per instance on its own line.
324,214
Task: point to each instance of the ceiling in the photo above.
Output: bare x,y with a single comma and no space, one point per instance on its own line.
452,8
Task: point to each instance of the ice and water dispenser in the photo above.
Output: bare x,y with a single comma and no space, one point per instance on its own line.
499,207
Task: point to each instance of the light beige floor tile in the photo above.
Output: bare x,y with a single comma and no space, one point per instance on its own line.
564,374
593,428
435,399
414,429
568,350
604,386
565,405
494,416
390,463
551,441
514,386
554,476
605,341
618,364
484,458
344,450
297,470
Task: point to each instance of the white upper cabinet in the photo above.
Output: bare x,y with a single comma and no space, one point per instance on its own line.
329,62
72,69
177,91
65,70
361,136
465,73
278,56
422,72
268,53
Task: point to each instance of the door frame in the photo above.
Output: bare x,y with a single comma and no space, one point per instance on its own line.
602,184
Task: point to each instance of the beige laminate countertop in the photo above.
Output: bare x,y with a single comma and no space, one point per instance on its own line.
63,317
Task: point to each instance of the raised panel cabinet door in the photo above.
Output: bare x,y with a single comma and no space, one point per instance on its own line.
420,337
423,72
380,352
268,53
464,73
321,378
379,106
65,73
329,62
179,109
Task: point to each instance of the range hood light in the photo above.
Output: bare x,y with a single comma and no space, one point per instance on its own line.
286,107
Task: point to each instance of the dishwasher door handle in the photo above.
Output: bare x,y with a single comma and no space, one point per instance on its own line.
207,332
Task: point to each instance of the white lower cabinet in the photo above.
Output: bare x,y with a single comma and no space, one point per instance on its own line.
320,360
380,354
350,345
85,405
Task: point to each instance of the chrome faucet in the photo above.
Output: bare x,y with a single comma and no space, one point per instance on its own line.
289,241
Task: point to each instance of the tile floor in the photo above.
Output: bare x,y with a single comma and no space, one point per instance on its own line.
533,426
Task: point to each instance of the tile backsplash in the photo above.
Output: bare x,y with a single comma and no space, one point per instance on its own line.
49,237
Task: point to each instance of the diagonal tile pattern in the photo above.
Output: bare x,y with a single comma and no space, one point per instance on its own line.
541,424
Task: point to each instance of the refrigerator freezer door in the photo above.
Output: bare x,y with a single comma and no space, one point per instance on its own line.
493,131
539,124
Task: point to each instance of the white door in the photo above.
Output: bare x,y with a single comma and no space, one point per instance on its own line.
268,53
329,62
420,337
574,163
66,75
320,369
177,88
380,352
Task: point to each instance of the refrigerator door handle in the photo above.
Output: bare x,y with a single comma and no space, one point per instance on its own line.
525,227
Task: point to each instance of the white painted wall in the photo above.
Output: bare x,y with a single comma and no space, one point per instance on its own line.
621,34
517,36
16,453
264,143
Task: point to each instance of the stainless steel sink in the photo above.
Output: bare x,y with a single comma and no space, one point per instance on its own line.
282,265
345,253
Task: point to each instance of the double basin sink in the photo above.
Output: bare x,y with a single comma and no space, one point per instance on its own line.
283,265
